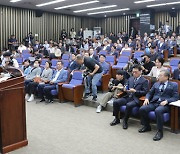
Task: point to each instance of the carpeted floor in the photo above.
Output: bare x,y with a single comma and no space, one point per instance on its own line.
65,129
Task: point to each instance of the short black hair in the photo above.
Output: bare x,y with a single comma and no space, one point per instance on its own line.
49,62
136,66
27,60
102,55
120,72
148,56
7,54
62,63
37,61
160,59
153,47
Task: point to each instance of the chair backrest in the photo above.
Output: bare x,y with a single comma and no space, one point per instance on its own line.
149,80
102,52
19,60
126,53
25,51
123,59
110,59
26,55
43,61
65,56
66,63
174,61
77,78
54,62
138,54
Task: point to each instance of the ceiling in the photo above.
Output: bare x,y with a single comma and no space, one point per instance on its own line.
31,4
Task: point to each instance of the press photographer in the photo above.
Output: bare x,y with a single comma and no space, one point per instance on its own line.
95,74
147,64
8,60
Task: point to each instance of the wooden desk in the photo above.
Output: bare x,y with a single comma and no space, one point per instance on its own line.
175,106
12,115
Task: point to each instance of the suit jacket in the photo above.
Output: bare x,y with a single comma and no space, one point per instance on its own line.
176,74
161,48
73,65
141,86
170,93
33,73
105,67
63,76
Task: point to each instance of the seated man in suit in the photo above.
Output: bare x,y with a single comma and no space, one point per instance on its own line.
176,73
44,90
92,55
104,64
73,65
136,87
157,99
161,47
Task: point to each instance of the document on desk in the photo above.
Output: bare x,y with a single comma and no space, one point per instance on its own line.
4,78
176,103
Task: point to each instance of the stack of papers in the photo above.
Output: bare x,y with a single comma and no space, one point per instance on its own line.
177,103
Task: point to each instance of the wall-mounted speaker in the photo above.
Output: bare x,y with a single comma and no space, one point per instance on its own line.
39,13
173,13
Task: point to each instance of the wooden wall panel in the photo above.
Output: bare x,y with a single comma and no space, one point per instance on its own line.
22,21
164,16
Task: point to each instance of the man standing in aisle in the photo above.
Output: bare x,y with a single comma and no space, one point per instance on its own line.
95,72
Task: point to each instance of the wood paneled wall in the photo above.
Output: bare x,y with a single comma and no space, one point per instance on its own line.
22,21
115,24
164,16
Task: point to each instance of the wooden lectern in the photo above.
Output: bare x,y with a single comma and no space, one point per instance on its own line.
12,112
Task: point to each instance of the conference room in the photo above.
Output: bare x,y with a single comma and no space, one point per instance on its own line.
87,77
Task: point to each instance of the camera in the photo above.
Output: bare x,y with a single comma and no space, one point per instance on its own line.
86,73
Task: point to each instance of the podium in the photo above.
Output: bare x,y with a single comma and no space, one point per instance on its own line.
12,113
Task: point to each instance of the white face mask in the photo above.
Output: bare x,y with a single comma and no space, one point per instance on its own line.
36,65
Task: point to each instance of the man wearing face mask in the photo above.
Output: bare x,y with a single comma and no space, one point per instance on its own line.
34,72
9,61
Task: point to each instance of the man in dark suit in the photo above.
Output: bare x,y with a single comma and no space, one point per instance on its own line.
176,73
136,87
73,65
161,47
157,99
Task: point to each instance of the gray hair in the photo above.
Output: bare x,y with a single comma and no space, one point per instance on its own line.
166,73
79,57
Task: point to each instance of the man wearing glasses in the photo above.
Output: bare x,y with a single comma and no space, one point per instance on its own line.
136,87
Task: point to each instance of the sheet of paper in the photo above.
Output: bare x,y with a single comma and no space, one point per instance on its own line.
177,103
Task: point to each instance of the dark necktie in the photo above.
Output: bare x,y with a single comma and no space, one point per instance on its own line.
162,88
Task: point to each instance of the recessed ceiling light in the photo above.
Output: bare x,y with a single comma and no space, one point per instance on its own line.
73,5
163,4
144,1
173,8
13,1
49,3
96,8
110,11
